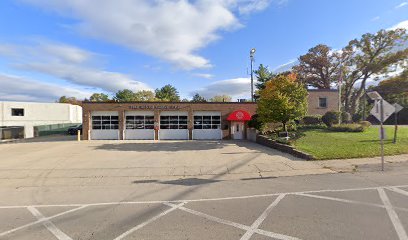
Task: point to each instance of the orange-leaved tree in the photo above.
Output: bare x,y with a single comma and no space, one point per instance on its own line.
283,99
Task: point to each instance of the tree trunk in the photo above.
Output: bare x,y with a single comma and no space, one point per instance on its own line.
357,97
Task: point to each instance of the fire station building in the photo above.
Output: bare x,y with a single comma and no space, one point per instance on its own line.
180,120
166,120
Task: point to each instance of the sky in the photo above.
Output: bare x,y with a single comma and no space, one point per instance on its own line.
51,48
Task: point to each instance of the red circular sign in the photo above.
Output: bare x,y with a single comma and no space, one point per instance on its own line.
239,115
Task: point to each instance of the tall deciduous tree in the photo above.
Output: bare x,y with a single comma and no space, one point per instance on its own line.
70,100
221,98
198,98
99,97
167,93
320,67
144,96
395,89
282,100
125,95
371,56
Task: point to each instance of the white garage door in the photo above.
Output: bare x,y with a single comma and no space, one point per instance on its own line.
105,125
173,126
207,126
139,125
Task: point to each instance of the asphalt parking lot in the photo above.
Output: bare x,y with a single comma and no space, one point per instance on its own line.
360,213
97,190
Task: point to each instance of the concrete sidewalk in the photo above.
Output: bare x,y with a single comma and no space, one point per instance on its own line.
362,164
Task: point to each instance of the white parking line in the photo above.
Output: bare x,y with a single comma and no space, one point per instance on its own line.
42,220
236,225
212,218
148,221
261,218
397,190
49,225
393,215
201,199
339,200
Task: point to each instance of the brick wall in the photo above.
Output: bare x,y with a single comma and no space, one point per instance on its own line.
224,108
313,101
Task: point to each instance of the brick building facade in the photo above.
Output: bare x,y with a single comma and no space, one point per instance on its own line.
180,120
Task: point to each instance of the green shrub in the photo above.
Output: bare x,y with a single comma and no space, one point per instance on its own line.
366,124
312,120
330,118
345,117
348,128
356,117
318,126
255,122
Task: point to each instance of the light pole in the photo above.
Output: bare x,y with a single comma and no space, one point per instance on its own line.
251,56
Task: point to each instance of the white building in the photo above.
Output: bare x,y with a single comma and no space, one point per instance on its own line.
31,114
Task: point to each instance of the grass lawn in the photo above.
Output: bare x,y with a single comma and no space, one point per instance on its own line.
323,144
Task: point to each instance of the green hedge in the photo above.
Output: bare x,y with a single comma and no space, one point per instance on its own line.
348,128
312,120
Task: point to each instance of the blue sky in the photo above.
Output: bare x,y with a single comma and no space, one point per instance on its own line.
50,48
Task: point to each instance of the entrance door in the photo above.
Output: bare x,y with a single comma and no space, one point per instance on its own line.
237,130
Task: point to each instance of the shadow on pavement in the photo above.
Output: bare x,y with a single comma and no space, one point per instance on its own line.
181,182
165,146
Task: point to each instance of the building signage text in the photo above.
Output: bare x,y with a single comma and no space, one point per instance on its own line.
154,107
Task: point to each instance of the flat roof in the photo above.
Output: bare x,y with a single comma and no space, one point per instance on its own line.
161,102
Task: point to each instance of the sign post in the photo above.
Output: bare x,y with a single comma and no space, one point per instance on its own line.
398,108
382,132
382,110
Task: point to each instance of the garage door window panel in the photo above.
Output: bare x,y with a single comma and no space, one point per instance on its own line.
164,122
207,122
105,122
149,122
139,122
173,122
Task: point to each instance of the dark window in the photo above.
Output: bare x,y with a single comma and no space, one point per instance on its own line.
105,122
207,122
173,122
140,122
17,112
323,102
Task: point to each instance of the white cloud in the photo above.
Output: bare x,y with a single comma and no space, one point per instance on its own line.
170,30
376,18
286,66
401,5
16,88
71,64
403,24
203,75
236,88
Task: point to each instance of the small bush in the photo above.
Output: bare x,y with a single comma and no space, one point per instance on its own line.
348,128
255,122
366,124
356,117
312,120
319,126
345,117
330,118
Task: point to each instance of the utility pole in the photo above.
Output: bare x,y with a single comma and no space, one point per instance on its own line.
339,83
252,57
